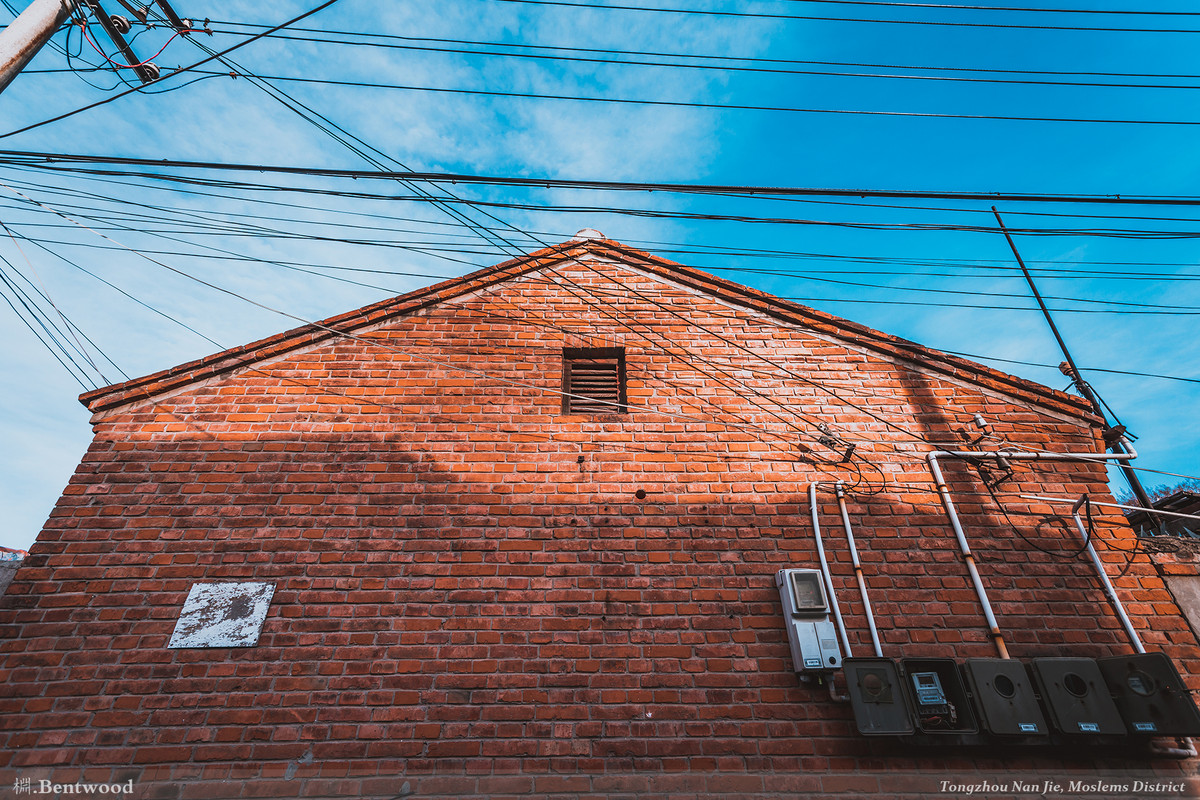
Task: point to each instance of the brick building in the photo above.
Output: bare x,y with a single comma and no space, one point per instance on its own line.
522,530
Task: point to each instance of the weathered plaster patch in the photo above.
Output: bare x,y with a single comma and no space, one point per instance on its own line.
222,615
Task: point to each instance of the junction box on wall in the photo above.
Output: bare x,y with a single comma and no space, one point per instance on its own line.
1116,700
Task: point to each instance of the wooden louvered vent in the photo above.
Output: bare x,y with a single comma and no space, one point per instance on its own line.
594,380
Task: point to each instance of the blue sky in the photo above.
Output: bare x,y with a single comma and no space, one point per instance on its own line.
44,430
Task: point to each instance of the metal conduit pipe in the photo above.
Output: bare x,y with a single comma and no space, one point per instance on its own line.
1157,511
1109,591
1034,455
858,573
965,549
828,578
948,503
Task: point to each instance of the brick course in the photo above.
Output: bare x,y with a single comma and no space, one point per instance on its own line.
466,580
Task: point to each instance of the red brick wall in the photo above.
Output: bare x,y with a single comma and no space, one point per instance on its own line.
466,581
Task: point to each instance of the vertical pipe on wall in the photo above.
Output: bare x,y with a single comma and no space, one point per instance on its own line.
965,549
858,573
833,603
1018,455
1109,591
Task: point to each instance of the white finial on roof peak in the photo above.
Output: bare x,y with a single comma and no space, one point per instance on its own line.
586,234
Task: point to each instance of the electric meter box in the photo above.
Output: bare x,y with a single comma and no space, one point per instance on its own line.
878,697
937,696
1004,697
811,635
1076,695
1150,696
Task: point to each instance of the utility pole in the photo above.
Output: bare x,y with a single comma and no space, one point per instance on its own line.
1112,436
26,34
22,39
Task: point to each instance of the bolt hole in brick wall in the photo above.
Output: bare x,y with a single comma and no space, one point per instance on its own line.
430,562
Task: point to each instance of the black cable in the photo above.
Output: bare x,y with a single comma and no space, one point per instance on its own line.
366,36
1122,12
863,204
970,355
441,256
82,385
980,307
62,338
206,224
681,104
186,84
110,223
675,248
161,212
716,67
971,293
324,209
312,117
1129,308
1137,234
44,159
71,57
1073,556
1116,418
741,253
4,279
116,288
71,327
764,15
1055,366
168,268
1107,233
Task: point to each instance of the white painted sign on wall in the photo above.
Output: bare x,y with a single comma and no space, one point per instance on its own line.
222,615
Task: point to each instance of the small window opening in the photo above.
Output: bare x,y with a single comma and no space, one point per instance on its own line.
594,380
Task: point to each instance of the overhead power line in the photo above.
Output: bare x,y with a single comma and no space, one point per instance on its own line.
814,18
978,267
970,355
651,102
228,255
402,350
970,268
372,156
231,224
33,158
1055,367
1121,12
1140,234
375,38
767,66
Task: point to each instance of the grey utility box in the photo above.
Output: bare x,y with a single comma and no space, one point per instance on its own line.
878,697
1004,697
1150,695
806,614
1076,696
